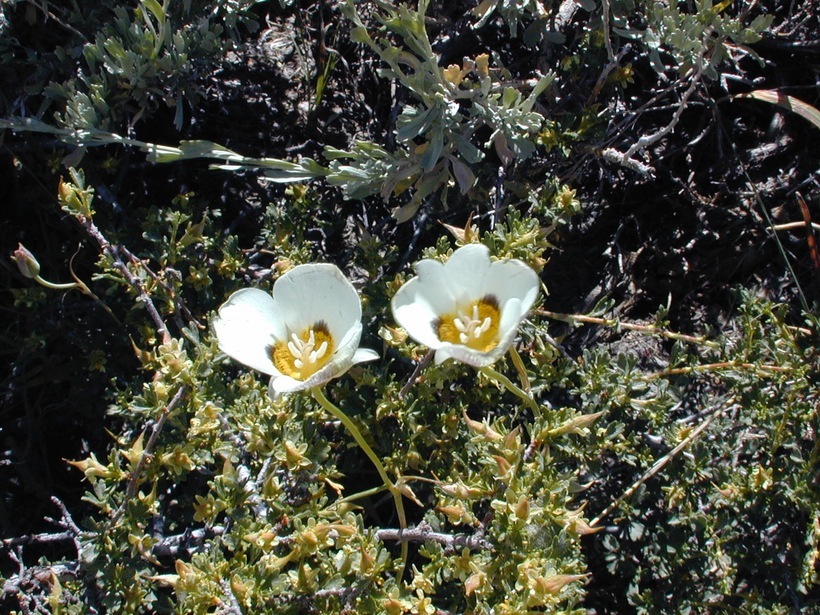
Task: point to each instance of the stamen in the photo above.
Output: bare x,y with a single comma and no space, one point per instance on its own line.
474,325
303,355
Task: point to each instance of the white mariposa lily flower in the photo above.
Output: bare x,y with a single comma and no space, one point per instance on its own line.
304,335
468,308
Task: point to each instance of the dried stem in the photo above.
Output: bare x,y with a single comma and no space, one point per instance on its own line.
36,576
37,539
180,305
607,41
618,324
762,370
627,159
660,463
232,606
114,252
424,533
172,546
611,65
416,373
134,480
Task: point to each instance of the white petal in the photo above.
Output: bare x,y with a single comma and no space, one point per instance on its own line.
515,285
413,310
311,293
439,289
350,341
466,271
281,385
460,280
511,317
362,355
465,354
467,276
442,354
247,325
433,286
513,279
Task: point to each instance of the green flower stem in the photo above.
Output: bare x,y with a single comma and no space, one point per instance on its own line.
512,388
357,435
53,286
81,286
361,494
394,490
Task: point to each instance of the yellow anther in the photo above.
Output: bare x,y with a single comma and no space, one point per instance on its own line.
304,354
474,325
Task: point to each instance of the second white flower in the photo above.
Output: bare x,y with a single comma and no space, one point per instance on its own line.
468,308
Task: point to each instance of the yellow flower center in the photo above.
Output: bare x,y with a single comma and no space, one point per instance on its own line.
304,354
474,325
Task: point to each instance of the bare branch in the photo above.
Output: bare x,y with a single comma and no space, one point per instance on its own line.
716,411
424,533
170,547
114,252
32,585
37,539
134,481
626,159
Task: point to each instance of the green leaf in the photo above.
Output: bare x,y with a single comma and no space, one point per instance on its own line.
413,123
463,174
155,8
432,154
786,101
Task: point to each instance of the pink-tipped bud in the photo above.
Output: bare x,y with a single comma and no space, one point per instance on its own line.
26,262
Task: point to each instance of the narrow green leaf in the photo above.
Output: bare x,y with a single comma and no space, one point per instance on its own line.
155,8
787,102
431,155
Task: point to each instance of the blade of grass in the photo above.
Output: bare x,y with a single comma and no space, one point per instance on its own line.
786,101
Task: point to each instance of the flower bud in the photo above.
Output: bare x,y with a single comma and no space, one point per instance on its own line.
26,262
64,191
452,74
482,63
475,582
522,508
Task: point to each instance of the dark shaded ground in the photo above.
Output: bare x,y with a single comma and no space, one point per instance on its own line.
684,239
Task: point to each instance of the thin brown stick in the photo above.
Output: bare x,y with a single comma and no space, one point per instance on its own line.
706,367
113,252
660,463
612,322
423,533
134,480
416,373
